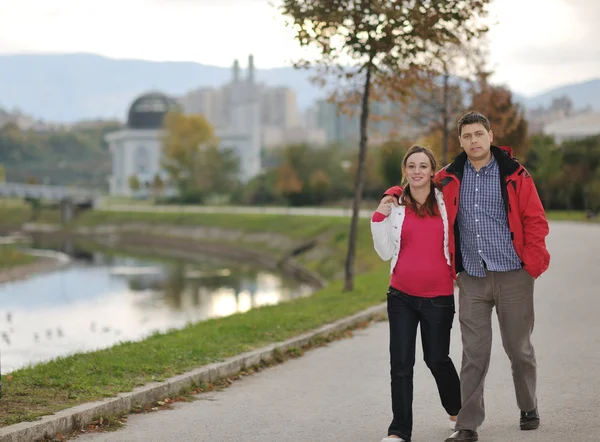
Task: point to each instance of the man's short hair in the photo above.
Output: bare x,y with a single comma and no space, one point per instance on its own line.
473,117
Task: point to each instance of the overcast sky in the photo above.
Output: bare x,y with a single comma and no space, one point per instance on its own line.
536,45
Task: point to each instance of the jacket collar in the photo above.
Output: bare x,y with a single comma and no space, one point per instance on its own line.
503,155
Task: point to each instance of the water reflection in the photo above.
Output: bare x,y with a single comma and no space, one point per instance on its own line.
100,300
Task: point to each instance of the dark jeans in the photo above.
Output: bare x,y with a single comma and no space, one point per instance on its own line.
435,315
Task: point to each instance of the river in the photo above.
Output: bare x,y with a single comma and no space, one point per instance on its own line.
102,298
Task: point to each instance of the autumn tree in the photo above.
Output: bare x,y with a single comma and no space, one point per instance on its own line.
288,184
374,45
506,117
185,136
318,171
192,158
134,183
439,103
219,169
457,64
319,185
157,185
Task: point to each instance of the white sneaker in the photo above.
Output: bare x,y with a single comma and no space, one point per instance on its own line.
392,439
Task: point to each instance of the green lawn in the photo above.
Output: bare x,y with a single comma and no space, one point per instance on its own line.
565,215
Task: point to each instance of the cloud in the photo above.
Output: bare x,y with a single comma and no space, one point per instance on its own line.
566,53
531,38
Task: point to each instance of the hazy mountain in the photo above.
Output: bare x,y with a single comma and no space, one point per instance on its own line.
67,88
582,94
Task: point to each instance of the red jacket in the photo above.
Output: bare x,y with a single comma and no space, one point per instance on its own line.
526,217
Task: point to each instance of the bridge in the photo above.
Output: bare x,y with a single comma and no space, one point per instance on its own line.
70,199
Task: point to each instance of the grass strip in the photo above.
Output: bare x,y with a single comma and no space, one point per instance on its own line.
11,257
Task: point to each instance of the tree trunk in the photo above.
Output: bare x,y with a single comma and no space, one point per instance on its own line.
445,123
359,185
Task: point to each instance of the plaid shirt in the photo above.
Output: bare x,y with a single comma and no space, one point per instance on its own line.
483,223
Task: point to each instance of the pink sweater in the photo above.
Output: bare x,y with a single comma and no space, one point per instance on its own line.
421,269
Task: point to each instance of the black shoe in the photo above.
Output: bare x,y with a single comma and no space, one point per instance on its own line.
529,420
463,436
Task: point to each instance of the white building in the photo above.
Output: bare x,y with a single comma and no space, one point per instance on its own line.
574,128
279,121
136,150
241,131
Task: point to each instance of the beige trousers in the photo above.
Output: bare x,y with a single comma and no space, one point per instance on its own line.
512,295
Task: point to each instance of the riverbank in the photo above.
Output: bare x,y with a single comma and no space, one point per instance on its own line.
314,242
11,258
16,264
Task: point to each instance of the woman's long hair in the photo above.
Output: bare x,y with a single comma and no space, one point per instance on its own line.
429,208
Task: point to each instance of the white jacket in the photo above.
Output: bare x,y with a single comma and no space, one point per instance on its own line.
387,233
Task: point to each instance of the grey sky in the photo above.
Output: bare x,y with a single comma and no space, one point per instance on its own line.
536,45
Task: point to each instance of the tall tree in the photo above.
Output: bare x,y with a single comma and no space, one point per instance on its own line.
319,186
592,193
376,45
218,170
288,184
440,100
506,117
185,136
545,163
192,158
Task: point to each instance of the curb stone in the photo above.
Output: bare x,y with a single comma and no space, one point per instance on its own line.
71,419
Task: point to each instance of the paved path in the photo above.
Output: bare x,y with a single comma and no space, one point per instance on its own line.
341,392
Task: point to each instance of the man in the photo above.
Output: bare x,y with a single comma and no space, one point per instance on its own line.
498,249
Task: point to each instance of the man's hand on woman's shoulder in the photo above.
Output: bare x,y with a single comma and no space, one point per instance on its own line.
390,199
385,207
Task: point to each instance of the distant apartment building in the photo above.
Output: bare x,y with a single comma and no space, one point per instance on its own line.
562,121
278,121
574,128
279,108
386,122
23,122
560,108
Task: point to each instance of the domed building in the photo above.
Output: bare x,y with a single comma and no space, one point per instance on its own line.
136,150
149,110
